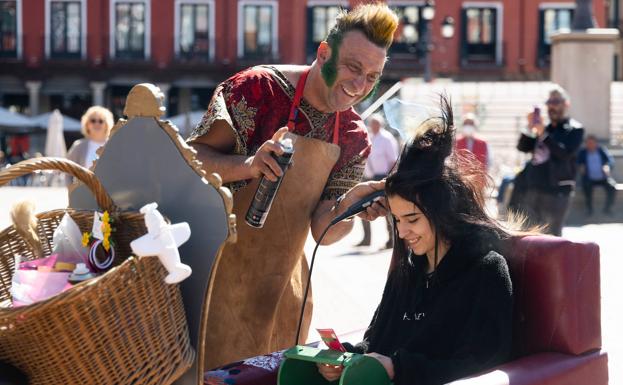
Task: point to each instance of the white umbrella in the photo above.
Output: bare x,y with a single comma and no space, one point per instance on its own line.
69,123
406,116
188,125
14,122
54,141
186,122
55,145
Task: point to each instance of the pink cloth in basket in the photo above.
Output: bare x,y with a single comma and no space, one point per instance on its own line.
30,286
35,263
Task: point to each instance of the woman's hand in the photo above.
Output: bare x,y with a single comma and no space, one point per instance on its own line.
330,372
386,362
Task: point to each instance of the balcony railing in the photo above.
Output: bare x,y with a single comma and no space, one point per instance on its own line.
33,49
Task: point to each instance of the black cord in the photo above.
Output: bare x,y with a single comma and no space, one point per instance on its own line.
311,268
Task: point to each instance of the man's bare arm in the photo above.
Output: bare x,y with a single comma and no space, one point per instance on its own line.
322,216
214,150
326,211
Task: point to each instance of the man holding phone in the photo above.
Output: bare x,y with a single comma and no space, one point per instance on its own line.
549,178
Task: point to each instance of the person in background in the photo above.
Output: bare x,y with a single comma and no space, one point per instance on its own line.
2,160
3,142
548,180
382,158
19,147
595,164
469,141
96,125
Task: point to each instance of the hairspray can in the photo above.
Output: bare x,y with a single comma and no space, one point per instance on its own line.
267,190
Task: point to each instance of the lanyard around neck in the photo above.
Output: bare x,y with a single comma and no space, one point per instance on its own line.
296,102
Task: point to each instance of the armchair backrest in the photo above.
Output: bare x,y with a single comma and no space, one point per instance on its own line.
556,285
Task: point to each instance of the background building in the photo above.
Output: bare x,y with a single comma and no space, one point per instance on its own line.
70,54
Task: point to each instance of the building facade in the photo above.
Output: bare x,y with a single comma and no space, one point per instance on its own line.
70,54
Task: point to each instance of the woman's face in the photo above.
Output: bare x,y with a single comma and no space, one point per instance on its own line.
96,128
413,226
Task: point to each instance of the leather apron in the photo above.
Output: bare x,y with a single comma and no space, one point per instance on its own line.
259,282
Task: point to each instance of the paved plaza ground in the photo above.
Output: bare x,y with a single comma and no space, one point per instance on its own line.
348,280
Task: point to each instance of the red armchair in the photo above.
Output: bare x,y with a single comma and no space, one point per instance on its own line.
557,320
557,331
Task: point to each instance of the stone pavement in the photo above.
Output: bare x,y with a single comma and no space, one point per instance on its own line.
348,281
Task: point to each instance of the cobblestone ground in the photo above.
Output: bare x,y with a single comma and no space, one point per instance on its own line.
348,280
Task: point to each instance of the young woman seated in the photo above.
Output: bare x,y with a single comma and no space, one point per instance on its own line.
446,310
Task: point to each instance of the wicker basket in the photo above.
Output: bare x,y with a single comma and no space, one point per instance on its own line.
124,327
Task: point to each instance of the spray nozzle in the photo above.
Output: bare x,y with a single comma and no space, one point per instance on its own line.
287,144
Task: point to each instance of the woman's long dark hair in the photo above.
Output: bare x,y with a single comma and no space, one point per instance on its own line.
449,190
448,187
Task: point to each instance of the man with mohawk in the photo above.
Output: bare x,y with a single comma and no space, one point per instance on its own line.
258,283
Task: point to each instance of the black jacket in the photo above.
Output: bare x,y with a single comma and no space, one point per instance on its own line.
459,325
559,172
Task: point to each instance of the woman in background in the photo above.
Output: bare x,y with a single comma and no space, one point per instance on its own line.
446,311
96,125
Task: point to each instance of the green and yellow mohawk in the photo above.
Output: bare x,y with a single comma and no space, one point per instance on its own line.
375,20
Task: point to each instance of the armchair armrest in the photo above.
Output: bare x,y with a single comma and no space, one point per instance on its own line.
546,369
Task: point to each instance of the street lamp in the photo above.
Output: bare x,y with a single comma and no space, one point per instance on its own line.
447,31
447,28
428,13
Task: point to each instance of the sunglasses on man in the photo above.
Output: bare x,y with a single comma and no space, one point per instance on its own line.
99,121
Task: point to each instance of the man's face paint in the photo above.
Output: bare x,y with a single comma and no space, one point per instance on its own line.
329,68
371,94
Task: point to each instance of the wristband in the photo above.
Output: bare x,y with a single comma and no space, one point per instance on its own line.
336,207
338,201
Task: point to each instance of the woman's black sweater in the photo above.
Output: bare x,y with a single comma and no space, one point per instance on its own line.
441,327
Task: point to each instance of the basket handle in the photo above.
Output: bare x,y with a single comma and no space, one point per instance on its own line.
65,165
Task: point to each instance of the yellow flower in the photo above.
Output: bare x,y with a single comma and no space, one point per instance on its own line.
105,221
106,230
85,239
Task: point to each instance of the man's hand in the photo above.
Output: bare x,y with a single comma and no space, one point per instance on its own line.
330,372
327,211
386,362
537,126
360,191
262,163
